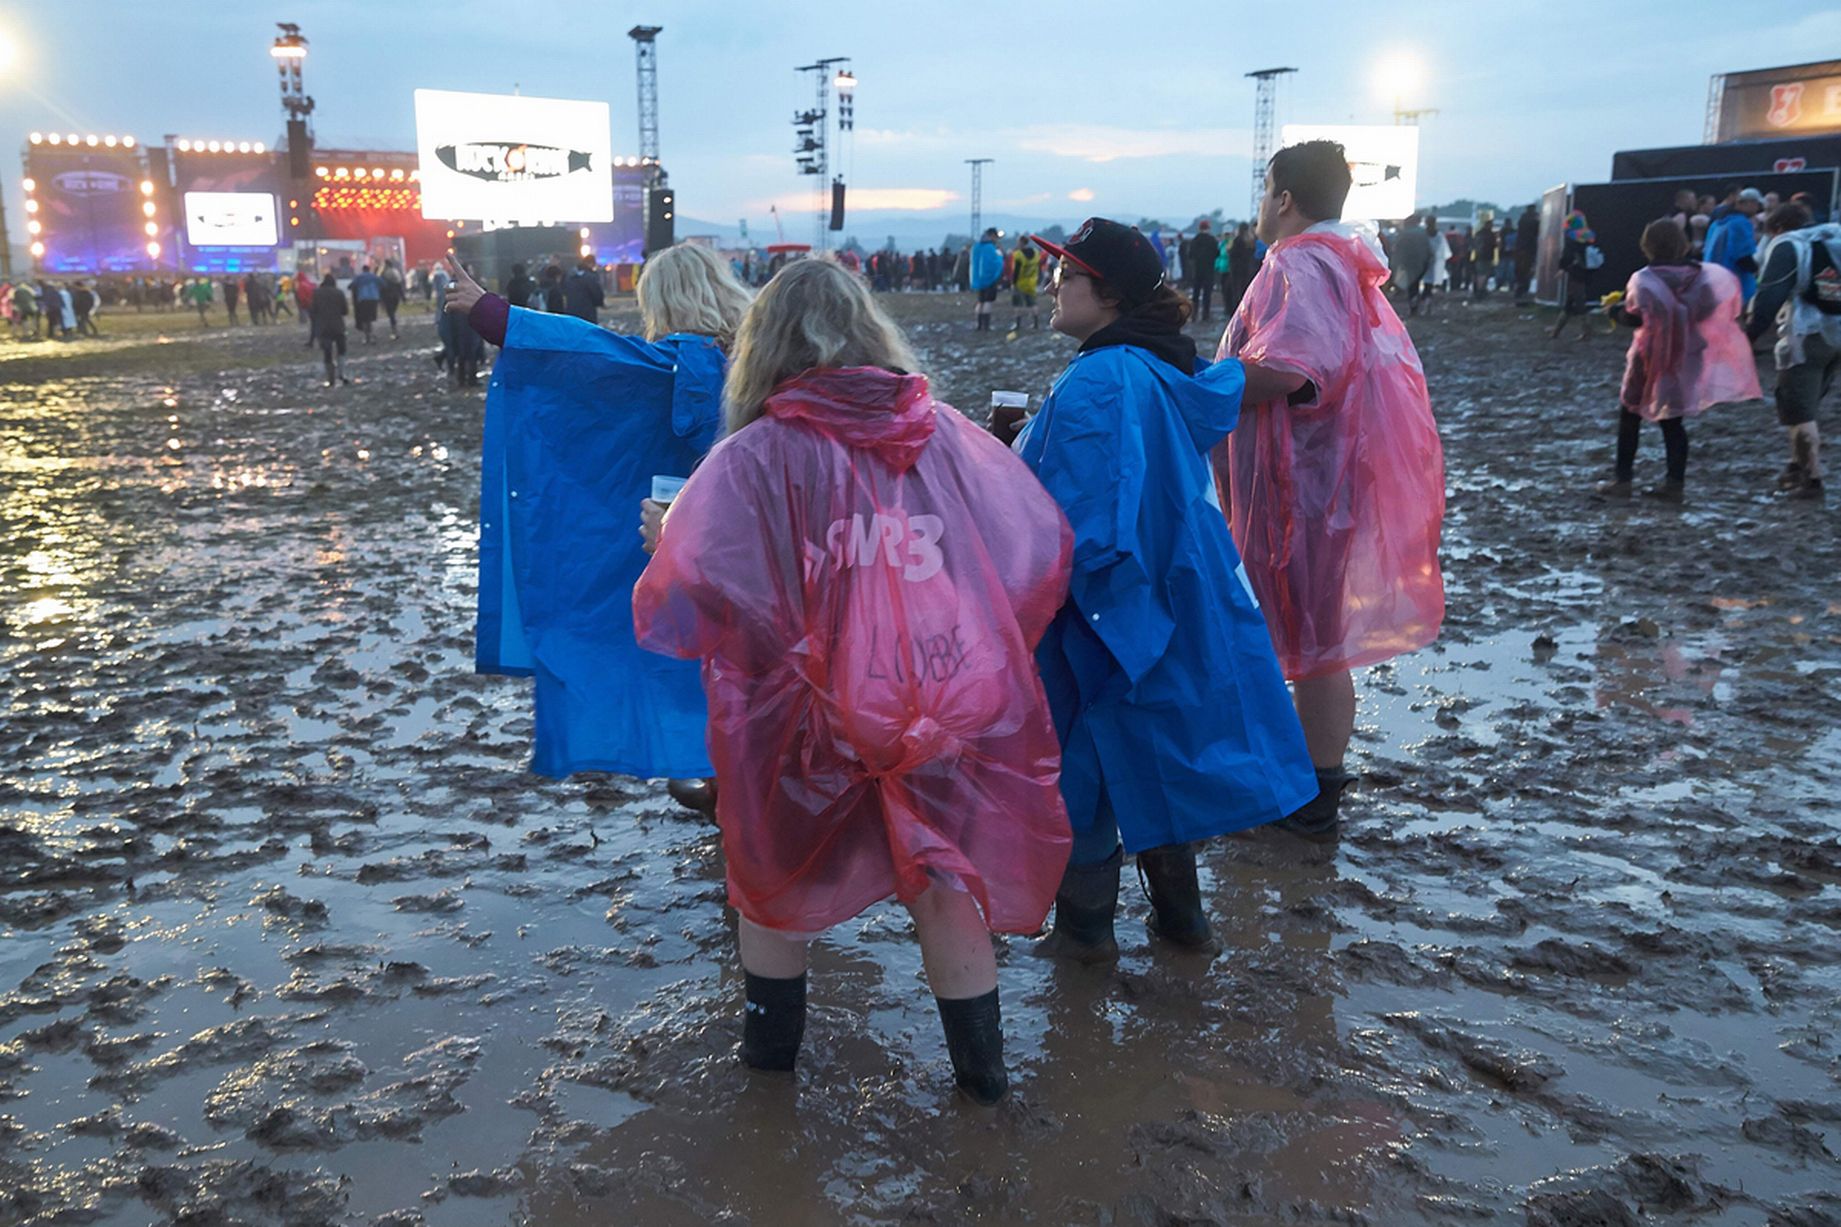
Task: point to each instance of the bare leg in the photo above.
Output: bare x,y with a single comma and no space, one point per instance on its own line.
1326,709
770,954
955,944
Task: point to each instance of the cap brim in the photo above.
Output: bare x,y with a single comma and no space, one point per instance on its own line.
1062,253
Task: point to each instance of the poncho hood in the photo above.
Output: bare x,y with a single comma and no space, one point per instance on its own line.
862,407
1358,240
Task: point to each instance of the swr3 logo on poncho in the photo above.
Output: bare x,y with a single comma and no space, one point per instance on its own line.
504,162
862,540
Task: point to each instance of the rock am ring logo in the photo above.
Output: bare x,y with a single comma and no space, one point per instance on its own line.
90,183
1786,104
512,162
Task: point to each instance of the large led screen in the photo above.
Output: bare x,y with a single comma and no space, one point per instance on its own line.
1383,162
231,219
510,158
89,212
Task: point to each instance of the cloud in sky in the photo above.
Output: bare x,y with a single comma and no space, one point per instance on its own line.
1110,142
905,199
1081,195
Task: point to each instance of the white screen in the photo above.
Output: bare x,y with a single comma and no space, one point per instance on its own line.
231,219
1383,159
501,157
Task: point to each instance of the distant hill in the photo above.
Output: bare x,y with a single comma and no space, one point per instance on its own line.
872,230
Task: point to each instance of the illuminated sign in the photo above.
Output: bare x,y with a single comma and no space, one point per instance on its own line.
1383,164
1801,100
86,211
230,219
498,157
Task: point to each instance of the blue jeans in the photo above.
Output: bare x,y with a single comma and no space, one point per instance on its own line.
1097,842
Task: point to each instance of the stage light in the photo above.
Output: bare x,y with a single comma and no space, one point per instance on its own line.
242,146
38,138
55,139
397,174
185,146
109,141
147,208
260,147
214,146
587,250
92,140
152,228
127,142
32,227
146,187
71,139
342,173
321,171
294,221
30,185
288,51
153,249
38,249
31,206
584,232
845,81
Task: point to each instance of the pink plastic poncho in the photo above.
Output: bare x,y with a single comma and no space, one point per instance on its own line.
866,575
1689,352
1336,502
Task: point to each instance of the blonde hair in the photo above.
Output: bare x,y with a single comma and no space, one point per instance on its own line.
686,288
814,313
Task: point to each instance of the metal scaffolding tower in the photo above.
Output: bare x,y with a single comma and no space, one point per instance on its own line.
1265,126
811,131
978,165
645,48
1716,91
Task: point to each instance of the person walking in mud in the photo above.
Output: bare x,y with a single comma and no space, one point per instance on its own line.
232,291
865,574
1154,759
1334,473
986,271
1689,353
1799,294
1025,279
1580,260
367,296
329,312
602,703
200,293
1412,260
392,289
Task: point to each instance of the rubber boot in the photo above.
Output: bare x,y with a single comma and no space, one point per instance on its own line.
773,1021
975,1038
1085,905
1318,818
1168,874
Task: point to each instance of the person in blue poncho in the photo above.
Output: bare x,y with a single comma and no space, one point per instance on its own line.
987,275
579,420
1175,723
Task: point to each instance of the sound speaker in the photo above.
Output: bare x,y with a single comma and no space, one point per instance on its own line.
837,204
300,150
661,220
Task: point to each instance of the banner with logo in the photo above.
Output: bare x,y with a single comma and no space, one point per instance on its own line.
1800,100
511,158
89,209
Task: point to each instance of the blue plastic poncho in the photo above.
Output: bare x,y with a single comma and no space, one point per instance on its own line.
1159,670
1730,240
987,265
578,421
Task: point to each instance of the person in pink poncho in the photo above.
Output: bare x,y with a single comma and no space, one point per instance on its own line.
1689,352
1333,480
866,575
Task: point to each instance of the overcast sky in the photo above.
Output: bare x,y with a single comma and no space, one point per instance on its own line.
1087,107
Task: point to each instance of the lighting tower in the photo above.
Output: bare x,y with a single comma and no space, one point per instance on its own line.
645,49
290,53
978,165
811,131
1409,117
1265,125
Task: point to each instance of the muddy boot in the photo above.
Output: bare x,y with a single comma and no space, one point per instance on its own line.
1793,475
975,1038
1667,491
1617,487
773,1021
1318,818
1084,907
1168,875
695,795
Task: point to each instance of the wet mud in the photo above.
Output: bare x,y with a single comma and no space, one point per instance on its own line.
288,935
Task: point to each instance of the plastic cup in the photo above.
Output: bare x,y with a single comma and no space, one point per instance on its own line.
664,488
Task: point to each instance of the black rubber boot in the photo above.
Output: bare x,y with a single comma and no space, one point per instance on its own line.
1168,874
773,1022
1318,817
975,1038
1084,908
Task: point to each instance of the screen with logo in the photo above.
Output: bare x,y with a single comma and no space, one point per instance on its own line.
231,219
510,158
89,216
1801,100
1383,166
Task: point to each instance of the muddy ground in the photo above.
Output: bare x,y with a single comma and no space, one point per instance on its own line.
287,935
